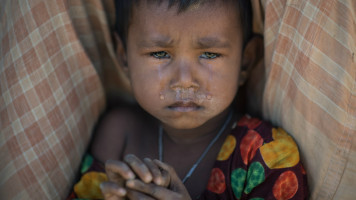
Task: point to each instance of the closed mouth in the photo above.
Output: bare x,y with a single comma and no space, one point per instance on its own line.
184,106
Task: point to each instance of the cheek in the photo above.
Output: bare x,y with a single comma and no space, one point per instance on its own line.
227,91
225,81
225,87
147,98
146,87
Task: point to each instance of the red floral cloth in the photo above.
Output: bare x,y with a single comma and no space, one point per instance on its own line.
257,162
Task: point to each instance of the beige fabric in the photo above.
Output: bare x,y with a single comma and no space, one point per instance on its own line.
94,24
51,97
311,86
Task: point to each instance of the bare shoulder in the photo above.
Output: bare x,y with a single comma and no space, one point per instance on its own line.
111,133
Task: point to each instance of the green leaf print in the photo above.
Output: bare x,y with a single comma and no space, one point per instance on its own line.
238,177
87,162
255,176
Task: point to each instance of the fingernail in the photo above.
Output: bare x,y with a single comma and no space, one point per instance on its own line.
148,178
131,175
130,183
158,181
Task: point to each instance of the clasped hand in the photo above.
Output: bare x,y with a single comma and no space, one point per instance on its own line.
137,179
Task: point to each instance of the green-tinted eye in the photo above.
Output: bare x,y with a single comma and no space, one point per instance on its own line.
209,55
160,54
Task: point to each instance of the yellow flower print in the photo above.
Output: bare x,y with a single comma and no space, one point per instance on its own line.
282,152
227,148
89,185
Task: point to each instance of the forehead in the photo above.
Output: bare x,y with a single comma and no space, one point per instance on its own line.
212,17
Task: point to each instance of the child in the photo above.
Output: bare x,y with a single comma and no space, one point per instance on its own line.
185,61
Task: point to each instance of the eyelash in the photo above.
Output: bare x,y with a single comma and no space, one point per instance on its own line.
155,55
205,55
210,55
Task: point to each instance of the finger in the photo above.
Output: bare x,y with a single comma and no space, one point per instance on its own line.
112,191
139,168
150,189
176,183
155,171
135,195
165,167
116,170
166,177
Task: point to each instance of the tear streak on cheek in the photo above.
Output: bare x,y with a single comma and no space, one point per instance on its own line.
160,72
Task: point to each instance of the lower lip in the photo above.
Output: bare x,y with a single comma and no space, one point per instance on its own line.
185,108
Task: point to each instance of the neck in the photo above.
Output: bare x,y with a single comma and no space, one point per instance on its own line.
201,133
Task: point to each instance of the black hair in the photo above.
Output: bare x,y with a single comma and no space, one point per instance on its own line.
124,14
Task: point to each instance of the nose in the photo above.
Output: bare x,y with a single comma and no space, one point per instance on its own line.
184,77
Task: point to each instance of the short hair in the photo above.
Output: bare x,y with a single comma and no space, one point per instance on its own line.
124,14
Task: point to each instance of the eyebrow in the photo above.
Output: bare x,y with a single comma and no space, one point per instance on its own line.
201,43
157,41
212,42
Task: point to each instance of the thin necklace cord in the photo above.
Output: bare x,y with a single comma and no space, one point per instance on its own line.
195,165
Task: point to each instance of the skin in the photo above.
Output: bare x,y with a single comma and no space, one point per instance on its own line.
166,54
185,76
169,186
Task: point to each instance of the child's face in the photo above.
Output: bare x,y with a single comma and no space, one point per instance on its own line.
184,67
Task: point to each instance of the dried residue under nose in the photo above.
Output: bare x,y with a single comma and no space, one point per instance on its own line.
185,95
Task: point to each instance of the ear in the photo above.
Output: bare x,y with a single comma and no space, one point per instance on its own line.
121,55
252,54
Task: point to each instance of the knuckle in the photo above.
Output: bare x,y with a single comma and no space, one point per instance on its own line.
170,168
142,166
147,160
109,164
113,164
130,158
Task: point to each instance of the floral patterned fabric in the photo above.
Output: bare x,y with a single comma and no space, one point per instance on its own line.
92,174
255,162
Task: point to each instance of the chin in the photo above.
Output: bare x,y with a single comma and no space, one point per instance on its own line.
185,124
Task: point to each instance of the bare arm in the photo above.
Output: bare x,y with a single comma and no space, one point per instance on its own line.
110,137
